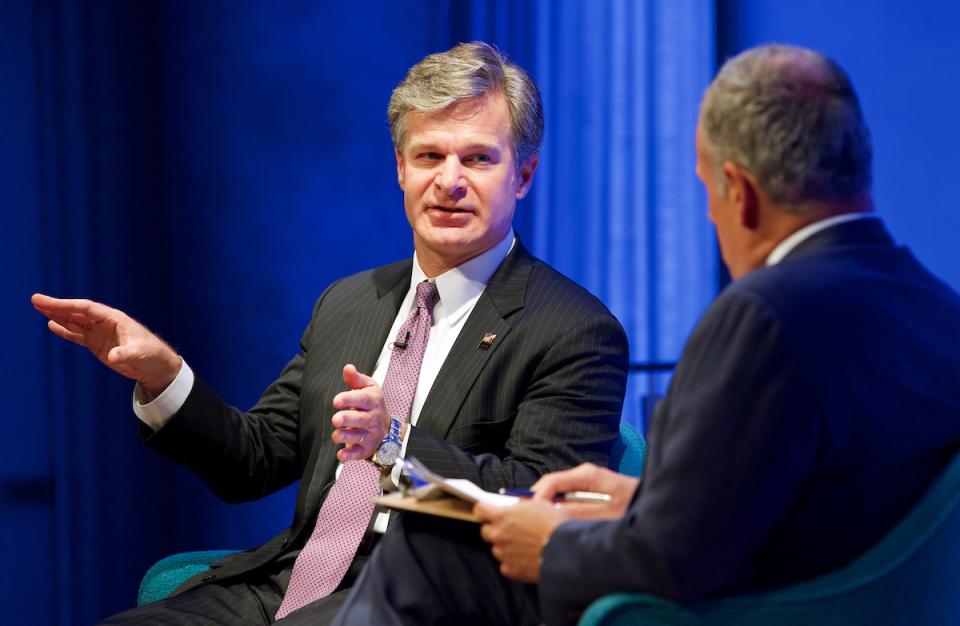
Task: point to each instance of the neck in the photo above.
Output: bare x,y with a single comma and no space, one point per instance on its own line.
780,221
434,265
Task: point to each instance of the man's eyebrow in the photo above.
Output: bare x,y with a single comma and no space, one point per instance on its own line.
428,146
480,145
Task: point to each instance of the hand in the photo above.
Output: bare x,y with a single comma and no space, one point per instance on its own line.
588,477
119,341
361,421
518,533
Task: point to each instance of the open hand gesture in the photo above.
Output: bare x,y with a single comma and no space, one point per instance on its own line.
119,341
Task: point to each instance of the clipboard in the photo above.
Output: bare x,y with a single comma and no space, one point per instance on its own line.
445,497
450,506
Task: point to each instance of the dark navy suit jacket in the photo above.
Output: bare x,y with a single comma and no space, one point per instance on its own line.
813,404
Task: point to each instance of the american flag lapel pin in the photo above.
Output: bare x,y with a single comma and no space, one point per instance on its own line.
487,341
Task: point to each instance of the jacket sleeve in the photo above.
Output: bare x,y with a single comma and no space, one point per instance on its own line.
241,455
729,447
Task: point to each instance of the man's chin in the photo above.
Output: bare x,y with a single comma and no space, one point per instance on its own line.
452,243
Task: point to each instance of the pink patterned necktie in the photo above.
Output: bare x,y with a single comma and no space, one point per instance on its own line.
346,512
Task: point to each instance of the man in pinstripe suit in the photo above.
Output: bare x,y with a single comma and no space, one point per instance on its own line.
524,372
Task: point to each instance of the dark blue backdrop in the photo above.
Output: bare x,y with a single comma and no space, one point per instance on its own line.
210,167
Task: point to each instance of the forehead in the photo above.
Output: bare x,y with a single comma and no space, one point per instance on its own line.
702,155
485,119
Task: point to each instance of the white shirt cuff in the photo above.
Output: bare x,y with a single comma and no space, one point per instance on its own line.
157,413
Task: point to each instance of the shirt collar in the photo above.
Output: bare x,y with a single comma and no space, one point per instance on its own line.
461,286
786,246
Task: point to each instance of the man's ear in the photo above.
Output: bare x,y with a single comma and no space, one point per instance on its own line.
526,171
742,191
399,167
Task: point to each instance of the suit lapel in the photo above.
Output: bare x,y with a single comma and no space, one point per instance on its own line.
392,283
467,358
363,344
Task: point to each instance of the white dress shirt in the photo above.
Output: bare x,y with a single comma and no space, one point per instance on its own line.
458,289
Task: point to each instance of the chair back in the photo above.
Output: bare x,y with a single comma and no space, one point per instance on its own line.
912,576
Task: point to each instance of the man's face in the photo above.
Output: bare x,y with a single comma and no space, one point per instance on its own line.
460,180
719,208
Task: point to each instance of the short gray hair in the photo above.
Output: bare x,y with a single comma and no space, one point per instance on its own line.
791,117
470,70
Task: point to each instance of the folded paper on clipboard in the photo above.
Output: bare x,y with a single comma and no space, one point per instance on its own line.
436,495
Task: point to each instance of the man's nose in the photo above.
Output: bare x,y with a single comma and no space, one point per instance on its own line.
450,179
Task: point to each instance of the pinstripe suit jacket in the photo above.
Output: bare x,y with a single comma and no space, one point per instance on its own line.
545,395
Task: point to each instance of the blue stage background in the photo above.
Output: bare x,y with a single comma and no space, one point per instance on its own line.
211,167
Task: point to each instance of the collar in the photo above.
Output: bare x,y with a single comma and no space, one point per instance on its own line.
786,246
460,287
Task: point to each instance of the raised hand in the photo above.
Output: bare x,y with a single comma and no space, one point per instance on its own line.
120,342
361,421
588,477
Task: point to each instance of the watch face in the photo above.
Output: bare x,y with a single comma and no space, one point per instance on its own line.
388,453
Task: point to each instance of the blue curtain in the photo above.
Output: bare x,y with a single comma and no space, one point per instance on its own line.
617,206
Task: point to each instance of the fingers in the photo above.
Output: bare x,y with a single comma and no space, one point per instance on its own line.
580,478
362,414
78,308
72,326
354,379
60,331
516,535
364,399
357,452
590,511
487,512
358,431
364,392
352,418
352,435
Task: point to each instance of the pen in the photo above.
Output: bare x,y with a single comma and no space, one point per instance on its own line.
569,496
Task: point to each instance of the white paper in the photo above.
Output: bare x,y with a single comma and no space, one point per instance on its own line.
470,492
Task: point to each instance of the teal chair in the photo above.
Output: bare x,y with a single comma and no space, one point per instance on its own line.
912,576
167,574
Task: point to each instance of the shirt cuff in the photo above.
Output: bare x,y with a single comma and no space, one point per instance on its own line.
157,413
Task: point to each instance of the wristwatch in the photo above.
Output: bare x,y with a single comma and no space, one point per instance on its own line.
389,450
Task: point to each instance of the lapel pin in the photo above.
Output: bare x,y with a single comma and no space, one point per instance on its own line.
487,341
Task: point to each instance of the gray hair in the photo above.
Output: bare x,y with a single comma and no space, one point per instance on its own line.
470,70
791,117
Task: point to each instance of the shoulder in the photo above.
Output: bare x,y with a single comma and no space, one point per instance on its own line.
375,280
549,291
384,277
362,288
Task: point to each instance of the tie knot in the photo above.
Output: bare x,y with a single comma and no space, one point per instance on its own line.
426,294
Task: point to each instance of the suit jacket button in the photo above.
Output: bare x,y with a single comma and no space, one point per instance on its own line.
208,577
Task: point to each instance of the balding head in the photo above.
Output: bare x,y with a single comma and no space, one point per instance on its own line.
790,116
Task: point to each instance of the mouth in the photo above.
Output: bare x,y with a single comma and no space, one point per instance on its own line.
451,210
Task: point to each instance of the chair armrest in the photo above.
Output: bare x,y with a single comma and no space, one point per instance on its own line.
169,573
627,609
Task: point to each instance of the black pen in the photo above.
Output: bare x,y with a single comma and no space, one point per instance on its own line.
569,496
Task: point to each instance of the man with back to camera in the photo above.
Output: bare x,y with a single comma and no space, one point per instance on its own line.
813,404
474,357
